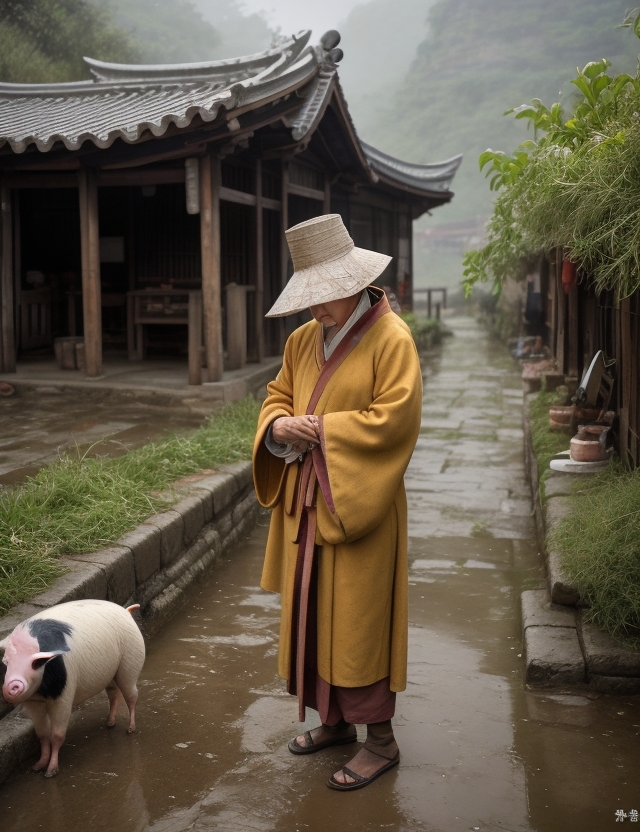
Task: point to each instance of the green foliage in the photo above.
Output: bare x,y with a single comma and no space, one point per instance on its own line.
577,187
599,544
80,504
427,332
45,40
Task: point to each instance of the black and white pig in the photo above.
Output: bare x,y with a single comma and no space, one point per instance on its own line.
62,656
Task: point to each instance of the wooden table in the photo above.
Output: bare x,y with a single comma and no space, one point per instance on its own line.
166,306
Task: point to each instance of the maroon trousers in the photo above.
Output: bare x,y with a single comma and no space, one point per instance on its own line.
363,705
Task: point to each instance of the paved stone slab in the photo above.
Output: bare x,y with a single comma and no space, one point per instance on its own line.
553,656
171,526
605,656
538,611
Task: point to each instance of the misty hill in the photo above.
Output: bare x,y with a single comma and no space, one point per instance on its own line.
379,39
478,59
180,31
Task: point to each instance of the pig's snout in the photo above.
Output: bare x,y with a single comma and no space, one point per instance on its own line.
13,689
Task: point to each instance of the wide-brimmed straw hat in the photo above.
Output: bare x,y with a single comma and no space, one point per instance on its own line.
326,265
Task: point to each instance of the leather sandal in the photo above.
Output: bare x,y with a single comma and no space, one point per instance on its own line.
360,781
312,747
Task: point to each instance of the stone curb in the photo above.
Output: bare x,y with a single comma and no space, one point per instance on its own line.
560,648
153,566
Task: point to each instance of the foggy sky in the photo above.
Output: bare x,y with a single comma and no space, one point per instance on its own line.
293,15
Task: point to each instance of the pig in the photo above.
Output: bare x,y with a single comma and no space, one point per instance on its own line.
64,655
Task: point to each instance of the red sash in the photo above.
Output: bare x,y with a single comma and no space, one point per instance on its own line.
314,473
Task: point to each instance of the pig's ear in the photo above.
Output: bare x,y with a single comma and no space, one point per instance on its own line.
38,660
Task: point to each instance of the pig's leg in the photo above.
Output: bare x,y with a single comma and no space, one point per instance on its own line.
126,679
37,712
59,715
130,692
114,701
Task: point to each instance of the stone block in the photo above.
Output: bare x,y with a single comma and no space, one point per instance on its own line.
82,580
225,493
556,510
192,513
605,656
538,611
144,542
244,510
553,656
559,484
171,525
616,685
18,742
243,473
16,616
560,590
118,565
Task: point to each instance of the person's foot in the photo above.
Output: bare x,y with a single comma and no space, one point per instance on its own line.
365,767
322,737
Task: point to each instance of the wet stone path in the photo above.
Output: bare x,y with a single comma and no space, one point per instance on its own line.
479,751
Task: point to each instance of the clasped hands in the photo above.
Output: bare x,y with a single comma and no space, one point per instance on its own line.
301,432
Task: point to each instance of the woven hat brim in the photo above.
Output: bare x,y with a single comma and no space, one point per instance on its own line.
330,280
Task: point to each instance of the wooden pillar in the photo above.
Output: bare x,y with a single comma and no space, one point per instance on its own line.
560,332
573,346
210,253
7,340
91,290
195,337
284,248
624,376
259,319
326,205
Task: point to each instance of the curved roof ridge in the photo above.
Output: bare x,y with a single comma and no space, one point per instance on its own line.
284,52
436,176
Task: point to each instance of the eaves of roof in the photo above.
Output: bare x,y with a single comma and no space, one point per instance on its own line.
127,101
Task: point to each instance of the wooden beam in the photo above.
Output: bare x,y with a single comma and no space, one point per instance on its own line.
308,193
259,254
562,305
7,341
239,197
91,289
284,247
210,251
573,347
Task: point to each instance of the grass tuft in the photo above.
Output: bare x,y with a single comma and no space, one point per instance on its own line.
79,504
599,543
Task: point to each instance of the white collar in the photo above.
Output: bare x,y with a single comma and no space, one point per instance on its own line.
363,305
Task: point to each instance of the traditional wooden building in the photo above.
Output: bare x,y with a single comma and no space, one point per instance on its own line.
146,209
579,322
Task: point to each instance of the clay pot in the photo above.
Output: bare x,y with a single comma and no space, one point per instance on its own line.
560,417
587,450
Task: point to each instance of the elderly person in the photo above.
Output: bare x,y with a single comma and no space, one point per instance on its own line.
335,435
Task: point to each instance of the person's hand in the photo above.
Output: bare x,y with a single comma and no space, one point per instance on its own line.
299,431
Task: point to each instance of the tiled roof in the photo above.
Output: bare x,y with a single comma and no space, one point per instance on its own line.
124,101
434,177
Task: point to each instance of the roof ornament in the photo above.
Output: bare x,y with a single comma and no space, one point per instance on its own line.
328,54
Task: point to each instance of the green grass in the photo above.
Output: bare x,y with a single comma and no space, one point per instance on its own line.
80,504
599,543
546,442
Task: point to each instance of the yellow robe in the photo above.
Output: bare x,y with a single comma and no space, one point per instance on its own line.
371,410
